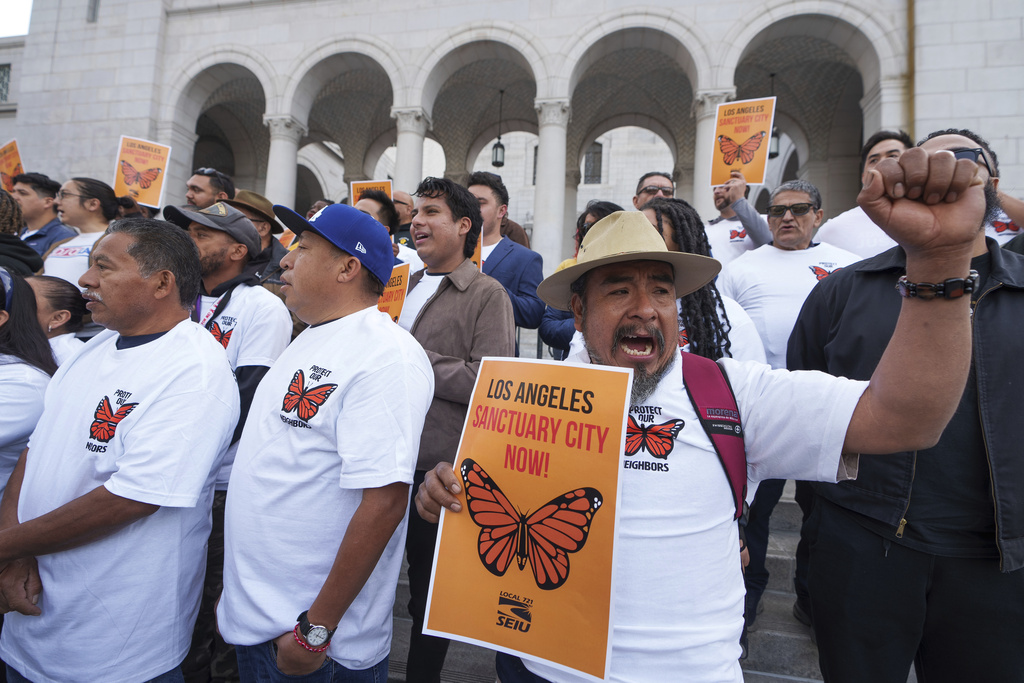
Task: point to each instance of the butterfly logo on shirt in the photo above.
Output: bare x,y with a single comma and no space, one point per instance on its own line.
544,538
141,178
731,151
658,440
737,234
8,180
684,339
222,336
305,402
106,419
1003,226
822,273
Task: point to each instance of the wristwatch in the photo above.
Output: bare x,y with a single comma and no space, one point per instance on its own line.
316,636
953,288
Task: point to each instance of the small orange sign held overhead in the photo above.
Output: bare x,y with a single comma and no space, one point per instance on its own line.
742,136
10,164
526,567
358,187
395,289
140,171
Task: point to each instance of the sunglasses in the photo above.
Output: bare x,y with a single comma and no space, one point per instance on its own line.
8,284
974,155
779,210
209,172
655,189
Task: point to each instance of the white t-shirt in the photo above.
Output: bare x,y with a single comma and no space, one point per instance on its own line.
678,591
407,255
22,387
64,346
417,298
771,285
728,239
300,474
123,607
1001,228
856,233
70,260
485,252
254,328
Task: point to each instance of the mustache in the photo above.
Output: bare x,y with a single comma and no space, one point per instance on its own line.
90,295
648,330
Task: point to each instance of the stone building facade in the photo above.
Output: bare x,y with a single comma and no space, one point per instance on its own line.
295,98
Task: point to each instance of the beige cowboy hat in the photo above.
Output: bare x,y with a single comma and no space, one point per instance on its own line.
627,236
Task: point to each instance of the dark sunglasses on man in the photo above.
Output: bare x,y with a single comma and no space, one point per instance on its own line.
779,210
655,189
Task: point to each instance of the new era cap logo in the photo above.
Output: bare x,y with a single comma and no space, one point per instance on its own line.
360,248
217,209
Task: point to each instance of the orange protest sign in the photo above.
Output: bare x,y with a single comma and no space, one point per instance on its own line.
478,253
393,298
140,169
742,133
10,164
526,568
358,187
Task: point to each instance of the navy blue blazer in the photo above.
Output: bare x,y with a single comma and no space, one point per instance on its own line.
519,270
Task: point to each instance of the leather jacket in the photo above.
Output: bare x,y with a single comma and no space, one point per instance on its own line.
844,326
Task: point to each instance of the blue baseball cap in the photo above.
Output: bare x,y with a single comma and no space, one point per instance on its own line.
350,230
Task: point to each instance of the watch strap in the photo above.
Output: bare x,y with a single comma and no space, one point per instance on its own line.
303,628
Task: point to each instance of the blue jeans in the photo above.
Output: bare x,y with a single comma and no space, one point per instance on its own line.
258,664
172,676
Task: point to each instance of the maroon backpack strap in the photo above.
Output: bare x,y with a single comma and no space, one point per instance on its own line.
713,399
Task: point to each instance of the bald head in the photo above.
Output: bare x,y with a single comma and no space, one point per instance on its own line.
403,204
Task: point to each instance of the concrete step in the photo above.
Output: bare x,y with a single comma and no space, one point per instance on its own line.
781,560
780,645
786,516
464,664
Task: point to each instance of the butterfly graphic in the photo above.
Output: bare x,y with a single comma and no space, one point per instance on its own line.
658,440
224,336
8,180
684,339
1002,226
544,537
141,178
821,273
737,234
106,420
305,401
745,152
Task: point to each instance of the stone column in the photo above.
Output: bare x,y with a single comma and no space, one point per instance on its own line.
572,186
413,124
283,161
549,197
705,105
183,144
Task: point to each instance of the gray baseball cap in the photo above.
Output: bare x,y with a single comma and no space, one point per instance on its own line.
218,216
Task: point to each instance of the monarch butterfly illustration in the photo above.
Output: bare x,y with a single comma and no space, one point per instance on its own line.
658,440
821,273
141,178
106,420
8,180
684,338
544,537
223,336
1002,226
745,152
737,234
306,402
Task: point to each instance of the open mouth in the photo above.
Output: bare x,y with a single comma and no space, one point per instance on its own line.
636,346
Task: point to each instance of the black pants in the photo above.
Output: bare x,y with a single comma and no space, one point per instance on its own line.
756,575
879,607
426,653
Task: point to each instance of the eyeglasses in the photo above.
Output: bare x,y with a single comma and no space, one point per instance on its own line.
64,195
655,189
8,283
399,201
973,155
779,210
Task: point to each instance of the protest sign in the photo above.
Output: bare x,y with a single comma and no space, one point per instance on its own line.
10,164
742,137
360,186
140,170
395,289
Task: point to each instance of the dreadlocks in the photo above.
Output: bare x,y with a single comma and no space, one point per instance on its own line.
10,214
702,312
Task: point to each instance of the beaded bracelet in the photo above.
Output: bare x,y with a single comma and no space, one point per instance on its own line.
300,641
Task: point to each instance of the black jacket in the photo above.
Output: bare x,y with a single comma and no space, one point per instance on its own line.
19,257
844,326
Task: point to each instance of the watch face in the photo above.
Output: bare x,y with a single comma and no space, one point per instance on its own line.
317,636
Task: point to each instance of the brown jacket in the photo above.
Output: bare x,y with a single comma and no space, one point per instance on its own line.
469,317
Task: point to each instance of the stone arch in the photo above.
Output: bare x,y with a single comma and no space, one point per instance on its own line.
654,29
491,132
473,43
184,94
639,120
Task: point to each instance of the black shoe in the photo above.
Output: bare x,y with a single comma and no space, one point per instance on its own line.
802,611
750,611
743,643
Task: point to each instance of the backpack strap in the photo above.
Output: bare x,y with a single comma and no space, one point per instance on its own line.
713,399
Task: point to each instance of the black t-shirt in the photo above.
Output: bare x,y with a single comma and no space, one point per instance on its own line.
951,512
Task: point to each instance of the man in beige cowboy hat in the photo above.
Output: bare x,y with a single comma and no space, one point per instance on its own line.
678,587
